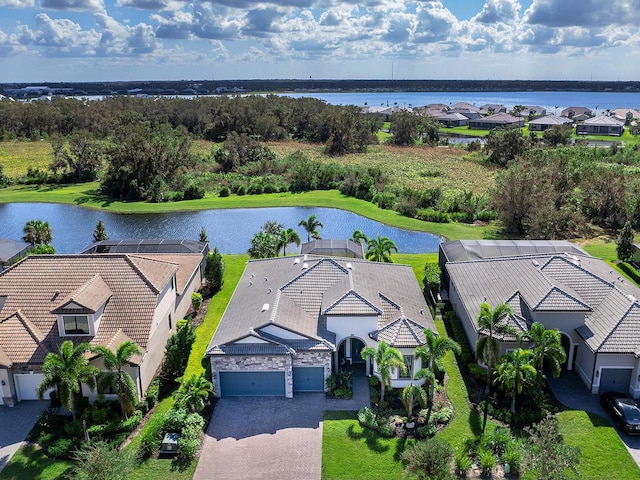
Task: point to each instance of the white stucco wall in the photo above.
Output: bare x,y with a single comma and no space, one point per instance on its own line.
585,360
566,322
360,327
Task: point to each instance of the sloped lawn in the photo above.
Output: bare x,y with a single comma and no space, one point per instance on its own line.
352,452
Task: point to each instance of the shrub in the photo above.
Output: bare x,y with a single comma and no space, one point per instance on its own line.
102,461
150,440
269,188
214,271
62,448
431,215
386,429
241,190
513,456
152,393
443,415
224,191
255,189
374,381
427,431
500,439
131,423
462,462
367,418
476,371
429,459
196,301
193,192
486,461
176,197
629,270
177,352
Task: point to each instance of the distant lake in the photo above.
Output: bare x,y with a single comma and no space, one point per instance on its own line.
593,100
228,230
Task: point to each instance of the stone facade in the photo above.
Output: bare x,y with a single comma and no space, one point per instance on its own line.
270,363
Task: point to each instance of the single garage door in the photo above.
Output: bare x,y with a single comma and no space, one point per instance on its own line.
240,384
27,386
615,379
308,379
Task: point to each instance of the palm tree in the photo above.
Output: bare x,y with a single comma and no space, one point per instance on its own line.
66,371
116,377
386,358
548,346
433,351
263,245
193,393
359,237
379,249
37,232
487,346
286,237
410,394
514,371
311,225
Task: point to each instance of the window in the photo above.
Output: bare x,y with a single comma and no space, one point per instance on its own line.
76,324
408,363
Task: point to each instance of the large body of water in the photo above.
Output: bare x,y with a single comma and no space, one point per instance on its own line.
228,230
596,101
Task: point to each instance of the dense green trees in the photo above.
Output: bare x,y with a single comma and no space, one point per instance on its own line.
547,348
515,371
624,243
80,159
505,145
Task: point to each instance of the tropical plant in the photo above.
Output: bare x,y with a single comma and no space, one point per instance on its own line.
311,226
101,461
359,237
193,393
115,377
491,322
411,394
546,455
263,245
386,358
37,232
286,237
548,347
100,234
513,372
429,460
66,371
379,249
434,350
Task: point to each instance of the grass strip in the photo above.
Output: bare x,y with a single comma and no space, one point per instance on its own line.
30,463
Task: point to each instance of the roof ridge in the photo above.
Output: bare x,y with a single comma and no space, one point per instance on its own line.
140,273
555,288
348,293
617,324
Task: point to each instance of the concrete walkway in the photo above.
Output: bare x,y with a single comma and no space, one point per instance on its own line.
15,424
573,393
271,437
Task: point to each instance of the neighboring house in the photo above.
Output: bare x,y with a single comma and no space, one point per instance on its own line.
294,320
498,120
11,251
453,120
531,111
491,108
334,248
601,125
626,115
470,111
595,310
543,123
571,112
103,299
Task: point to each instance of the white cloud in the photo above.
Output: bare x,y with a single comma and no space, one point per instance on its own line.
17,3
75,5
60,37
495,11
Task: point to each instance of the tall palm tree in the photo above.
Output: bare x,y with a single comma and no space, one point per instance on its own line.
379,249
116,377
311,226
487,346
37,232
359,237
66,371
286,237
548,346
433,351
386,358
193,393
514,371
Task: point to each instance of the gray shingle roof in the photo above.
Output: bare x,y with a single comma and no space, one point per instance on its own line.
299,289
400,333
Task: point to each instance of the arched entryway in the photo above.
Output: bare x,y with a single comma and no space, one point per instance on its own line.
569,350
348,354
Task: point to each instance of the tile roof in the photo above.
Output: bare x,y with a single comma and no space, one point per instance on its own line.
402,332
300,290
90,297
20,341
36,285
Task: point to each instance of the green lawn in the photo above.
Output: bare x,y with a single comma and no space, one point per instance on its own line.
351,452
29,463
17,156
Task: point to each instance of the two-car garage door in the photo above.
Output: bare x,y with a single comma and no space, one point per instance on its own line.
261,383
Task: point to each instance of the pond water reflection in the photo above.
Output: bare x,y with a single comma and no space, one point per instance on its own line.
229,230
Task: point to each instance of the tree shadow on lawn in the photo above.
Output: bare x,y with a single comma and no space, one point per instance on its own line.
372,439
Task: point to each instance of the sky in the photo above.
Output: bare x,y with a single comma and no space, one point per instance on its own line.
119,40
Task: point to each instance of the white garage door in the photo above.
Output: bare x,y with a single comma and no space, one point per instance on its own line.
27,386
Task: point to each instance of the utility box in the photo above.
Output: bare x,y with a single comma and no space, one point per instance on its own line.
170,444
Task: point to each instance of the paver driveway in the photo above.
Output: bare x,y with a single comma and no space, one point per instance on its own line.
270,437
15,423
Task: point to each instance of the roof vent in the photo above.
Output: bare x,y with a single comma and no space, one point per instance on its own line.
269,291
296,261
251,276
349,266
535,263
305,266
266,279
422,311
250,283
265,307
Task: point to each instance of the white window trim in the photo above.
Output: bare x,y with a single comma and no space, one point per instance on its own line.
90,320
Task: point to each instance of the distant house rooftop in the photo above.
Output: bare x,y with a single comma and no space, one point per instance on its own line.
333,248
11,251
146,246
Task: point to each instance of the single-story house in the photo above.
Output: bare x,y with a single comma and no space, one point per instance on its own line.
625,115
294,320
11,251
102,299
531,111
470,113
491,108
453,119
335,248
594,308
497,120
543,123
571,112
601,125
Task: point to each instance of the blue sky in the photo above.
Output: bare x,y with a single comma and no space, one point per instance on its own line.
112,40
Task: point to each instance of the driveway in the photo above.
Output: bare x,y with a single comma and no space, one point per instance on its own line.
572,393
15,423
270,437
